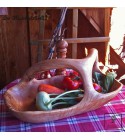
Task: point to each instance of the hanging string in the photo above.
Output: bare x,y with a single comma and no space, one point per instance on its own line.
57,33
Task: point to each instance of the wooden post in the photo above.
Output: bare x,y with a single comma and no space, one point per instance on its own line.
74,32
106,33
61,49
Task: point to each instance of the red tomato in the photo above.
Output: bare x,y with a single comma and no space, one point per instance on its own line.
97,87
70,84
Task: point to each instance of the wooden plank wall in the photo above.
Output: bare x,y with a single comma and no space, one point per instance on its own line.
14,48
19,38
96,16
85,29
50,20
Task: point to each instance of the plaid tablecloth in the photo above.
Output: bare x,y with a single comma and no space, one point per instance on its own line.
108,118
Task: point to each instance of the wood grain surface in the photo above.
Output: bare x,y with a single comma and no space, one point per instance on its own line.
21,98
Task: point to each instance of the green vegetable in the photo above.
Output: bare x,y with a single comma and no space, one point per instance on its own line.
109,80
44,102
105,81
98,78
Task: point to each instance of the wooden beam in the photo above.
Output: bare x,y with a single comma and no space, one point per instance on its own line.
76,40
58,8
74,32
115,59
91,20
88,40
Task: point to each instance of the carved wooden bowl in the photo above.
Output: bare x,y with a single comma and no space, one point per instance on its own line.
20,98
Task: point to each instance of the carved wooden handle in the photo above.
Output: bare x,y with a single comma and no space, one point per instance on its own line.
83,66
21,96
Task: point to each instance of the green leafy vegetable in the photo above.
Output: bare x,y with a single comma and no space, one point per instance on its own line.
109,80
105,81
98,78
44,102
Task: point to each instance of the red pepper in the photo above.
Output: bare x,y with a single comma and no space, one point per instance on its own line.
70,84
49,89
74,74
80,83
97,87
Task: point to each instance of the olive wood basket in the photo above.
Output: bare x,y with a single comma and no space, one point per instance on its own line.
21,98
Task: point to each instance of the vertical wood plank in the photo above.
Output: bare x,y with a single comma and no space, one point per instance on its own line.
14,43
34,27
55,19
74,32
2,57
106,33
41,35
68,32
47,32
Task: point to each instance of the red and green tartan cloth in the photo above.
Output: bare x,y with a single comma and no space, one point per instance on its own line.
108,118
